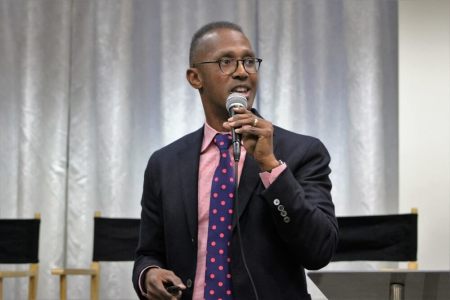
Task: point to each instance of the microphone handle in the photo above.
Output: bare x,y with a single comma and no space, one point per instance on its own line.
236,139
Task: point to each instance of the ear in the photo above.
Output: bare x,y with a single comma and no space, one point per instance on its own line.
194,78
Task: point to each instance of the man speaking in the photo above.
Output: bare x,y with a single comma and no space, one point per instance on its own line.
238,208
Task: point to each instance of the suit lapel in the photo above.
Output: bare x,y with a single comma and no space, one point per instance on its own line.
188,160
247,183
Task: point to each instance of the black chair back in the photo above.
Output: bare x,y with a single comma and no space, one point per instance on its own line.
115,239
377,238
19,241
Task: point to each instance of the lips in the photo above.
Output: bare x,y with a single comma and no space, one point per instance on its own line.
241,89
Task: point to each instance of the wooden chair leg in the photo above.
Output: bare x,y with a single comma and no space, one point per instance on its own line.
1,288
32,288
33,282
95,281
63,287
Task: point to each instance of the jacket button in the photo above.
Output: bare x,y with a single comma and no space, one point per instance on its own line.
189,283
286,220
276,202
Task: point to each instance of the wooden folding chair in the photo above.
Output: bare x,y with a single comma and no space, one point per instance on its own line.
19,244
115,239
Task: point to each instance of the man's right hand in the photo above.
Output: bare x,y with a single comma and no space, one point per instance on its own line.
156,282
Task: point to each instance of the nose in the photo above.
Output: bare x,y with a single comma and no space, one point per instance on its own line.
240,71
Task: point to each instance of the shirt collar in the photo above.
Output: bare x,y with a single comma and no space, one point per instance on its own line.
208,135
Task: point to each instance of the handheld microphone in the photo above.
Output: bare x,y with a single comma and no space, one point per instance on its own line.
235,100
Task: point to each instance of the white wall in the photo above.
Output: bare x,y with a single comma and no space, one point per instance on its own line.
424,124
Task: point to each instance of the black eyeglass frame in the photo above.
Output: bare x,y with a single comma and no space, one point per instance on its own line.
257,64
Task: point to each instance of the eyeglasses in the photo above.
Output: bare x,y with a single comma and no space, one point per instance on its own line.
230,65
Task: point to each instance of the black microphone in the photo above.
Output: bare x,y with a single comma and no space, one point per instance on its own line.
235,100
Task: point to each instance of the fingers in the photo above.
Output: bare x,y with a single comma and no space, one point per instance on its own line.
246,123
242,118
257,136
163,284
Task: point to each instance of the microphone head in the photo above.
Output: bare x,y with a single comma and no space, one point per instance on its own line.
235,100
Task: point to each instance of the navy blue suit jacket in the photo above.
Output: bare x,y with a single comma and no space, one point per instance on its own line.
277,249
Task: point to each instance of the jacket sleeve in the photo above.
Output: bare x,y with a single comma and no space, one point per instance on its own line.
150,250
308,225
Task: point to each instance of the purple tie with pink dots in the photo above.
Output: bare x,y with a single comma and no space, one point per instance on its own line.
218,276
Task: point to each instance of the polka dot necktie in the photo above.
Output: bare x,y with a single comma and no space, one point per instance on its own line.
217,275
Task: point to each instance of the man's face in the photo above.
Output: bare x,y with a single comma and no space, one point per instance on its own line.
216,85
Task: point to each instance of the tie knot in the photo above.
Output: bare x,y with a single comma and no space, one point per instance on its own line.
222,141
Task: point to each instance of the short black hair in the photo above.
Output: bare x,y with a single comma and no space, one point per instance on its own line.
204,30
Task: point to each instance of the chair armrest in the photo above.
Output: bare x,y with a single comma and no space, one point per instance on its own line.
61,271
5,274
